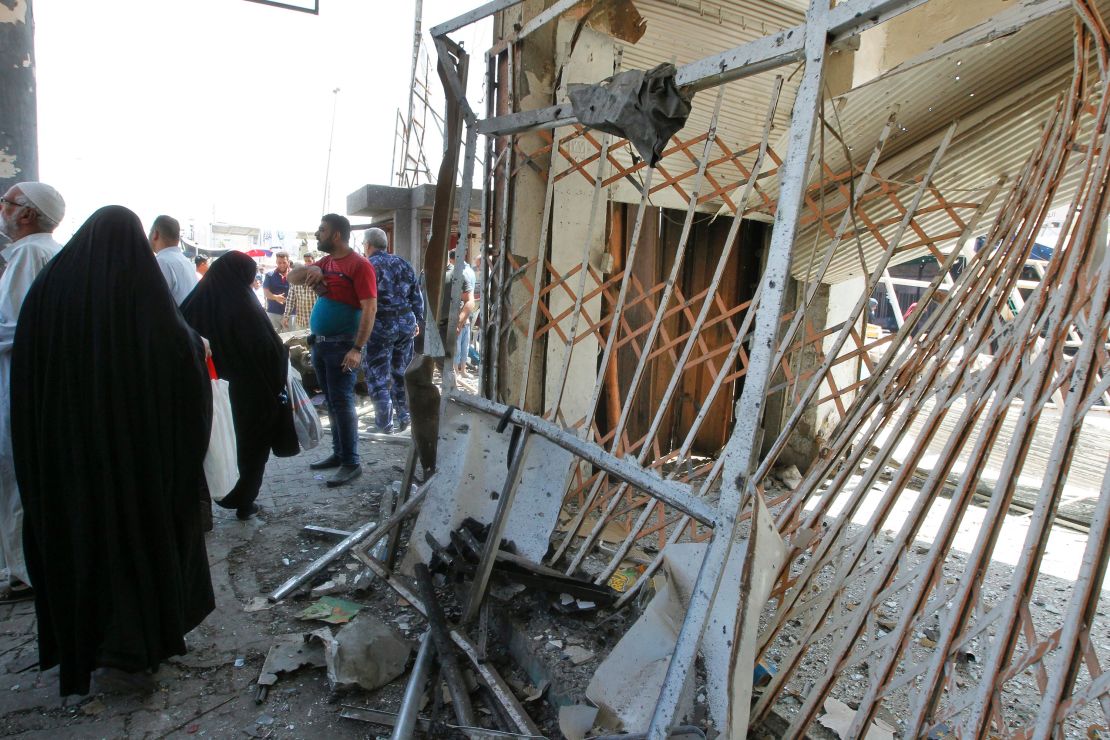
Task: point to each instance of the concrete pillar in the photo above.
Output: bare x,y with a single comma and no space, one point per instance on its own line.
534,83
18,122
590,60
405,238
916,31
831,306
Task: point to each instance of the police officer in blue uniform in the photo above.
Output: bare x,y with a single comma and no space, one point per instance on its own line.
389,351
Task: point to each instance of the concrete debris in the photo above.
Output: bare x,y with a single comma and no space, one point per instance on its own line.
470,464
627,683
578,655
576,720
287,654
257,604
334,585
532,693
838,718
789,476
367,653
362,581
92,708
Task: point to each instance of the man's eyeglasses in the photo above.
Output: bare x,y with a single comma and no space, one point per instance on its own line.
12,202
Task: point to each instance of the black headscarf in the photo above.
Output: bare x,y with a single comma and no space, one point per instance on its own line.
110,424
246,351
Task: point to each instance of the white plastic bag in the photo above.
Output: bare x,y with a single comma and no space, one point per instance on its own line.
221,468
305,419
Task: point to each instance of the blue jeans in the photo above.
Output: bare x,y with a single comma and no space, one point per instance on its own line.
462,345
339,390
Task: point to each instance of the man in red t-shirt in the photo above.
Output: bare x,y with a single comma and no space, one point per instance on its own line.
341,322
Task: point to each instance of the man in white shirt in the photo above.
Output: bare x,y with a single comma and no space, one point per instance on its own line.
179,270
29,213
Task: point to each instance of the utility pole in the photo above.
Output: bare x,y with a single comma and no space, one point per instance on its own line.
19,160
331,139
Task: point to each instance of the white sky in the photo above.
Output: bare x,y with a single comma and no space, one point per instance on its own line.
221,109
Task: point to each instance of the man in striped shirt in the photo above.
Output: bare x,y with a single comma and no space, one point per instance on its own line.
299,302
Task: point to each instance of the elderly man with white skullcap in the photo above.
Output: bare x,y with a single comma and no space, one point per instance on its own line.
29,213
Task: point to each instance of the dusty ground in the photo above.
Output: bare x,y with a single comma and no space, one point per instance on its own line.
210,692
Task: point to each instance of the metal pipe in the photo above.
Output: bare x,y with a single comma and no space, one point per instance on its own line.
370,532
414,690
323,561
489,674
449,667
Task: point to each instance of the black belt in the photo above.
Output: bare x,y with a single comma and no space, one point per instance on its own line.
317,338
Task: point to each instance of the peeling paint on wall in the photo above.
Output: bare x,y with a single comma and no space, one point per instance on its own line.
13,11
8,167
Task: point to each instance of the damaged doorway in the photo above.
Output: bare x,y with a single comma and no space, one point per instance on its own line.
658,244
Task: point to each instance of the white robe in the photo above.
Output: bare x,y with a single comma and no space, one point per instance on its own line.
24,259
179,271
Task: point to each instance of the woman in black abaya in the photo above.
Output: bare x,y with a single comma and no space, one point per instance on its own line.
248,353
110,422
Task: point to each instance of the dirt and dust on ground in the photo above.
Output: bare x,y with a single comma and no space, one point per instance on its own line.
211,692
546,655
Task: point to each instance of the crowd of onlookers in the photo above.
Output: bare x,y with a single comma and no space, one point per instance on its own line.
108,349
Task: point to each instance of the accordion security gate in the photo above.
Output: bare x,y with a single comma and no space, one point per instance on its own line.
971,356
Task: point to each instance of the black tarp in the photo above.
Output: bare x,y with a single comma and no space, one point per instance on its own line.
647,108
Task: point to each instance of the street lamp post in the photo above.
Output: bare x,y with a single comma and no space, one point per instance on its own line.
331,139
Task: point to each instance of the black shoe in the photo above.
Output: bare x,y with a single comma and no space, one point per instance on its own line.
400,426
243,513
345,474
16,592
331,461
115,681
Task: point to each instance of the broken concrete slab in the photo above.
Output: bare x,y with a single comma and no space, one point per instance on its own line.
838,718
578,655
626,685
470,475
290,652
367,653
576,720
